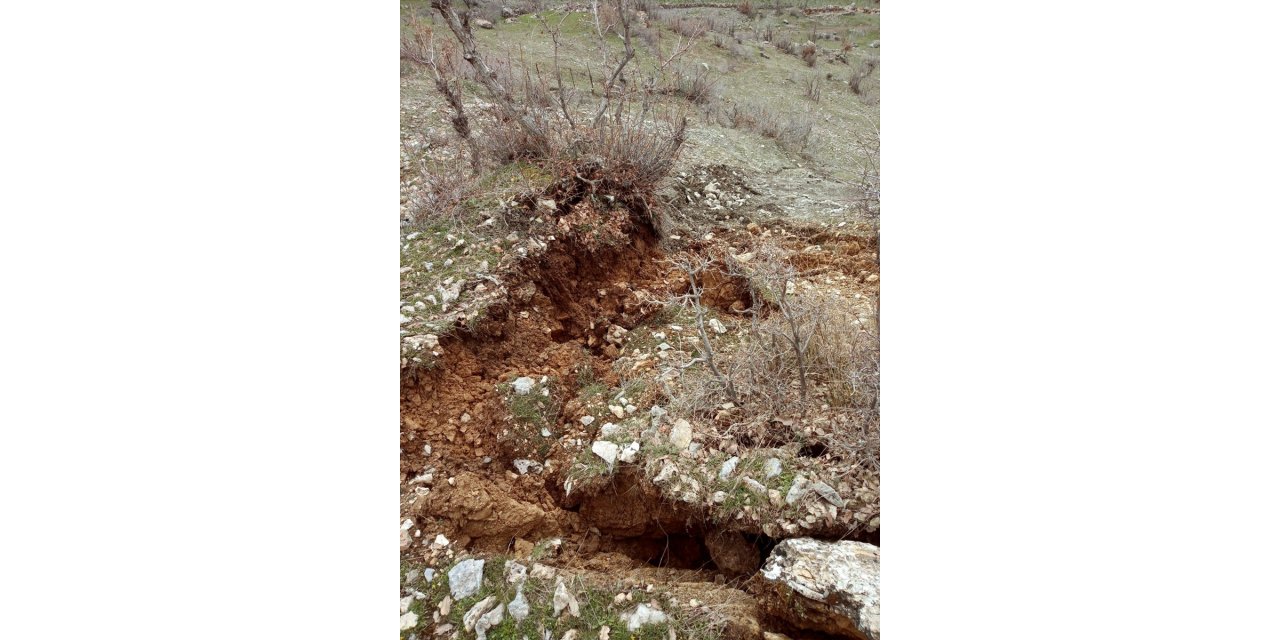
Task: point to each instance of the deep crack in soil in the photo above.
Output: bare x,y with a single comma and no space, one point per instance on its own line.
553,322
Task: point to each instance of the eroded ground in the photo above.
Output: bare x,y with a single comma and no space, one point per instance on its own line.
559,411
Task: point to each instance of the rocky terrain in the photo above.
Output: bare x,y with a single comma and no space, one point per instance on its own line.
657,417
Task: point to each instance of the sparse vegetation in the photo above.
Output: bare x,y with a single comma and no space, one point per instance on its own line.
654,220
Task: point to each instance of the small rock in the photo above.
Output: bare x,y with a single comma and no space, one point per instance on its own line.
519,607
465,578
440,541
571,634
408,621
873,278
524,466
604,632
681,434
610,429
606,450
472,616
772,468
563,599
446,606
443,629
405,603
655,415
617,411
642,615
830,495
587,420
797,490
719,497
629,453
482,23
542,571
523,385
514,572
717,326
754,486
489,621
668,470
728,468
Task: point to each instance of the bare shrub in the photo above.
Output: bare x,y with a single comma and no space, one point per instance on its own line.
721,25
693,268
417,45
866,191
864,82
791,131
746,9
786,46
809,53
619,148
441,195
813,339
813,88
693,83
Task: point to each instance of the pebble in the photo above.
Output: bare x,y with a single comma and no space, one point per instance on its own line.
797,490
519,607
472,616
489,621
563,600
408,621
514,572
523,385
830,495
629,452
643,615
681,434
728,468
772,468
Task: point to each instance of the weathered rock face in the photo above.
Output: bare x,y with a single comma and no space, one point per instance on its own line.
732,552
833,587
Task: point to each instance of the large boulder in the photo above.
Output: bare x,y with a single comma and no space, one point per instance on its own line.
832,587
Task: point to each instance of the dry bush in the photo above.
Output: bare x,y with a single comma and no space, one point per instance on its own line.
690,27
813,88
722,25
804,351
865,81
620,148
866,190
809,53
786,46
443,192
746,9
694,83
791,131
813,340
